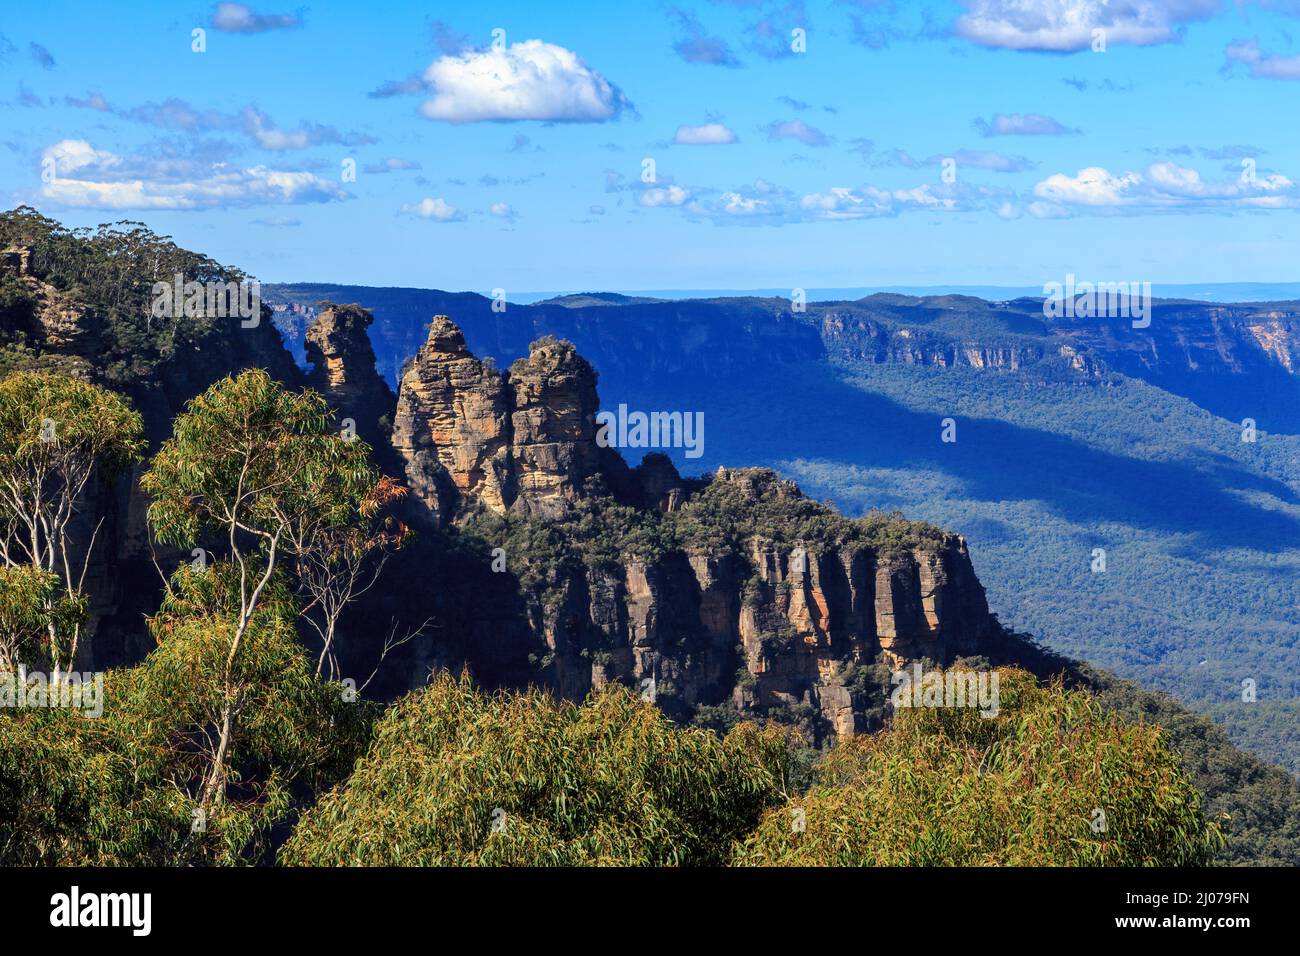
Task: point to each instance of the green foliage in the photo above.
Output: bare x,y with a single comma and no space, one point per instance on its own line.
946,786
110,271
1202,585
31,605
458,777
123,789
25,593
1258,805
250,453
57,433
92,427
726,513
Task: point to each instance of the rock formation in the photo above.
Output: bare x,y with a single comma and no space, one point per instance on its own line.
343,369
522,441
731,603
770,624
553,426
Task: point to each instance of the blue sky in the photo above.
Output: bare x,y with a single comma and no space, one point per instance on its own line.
515,160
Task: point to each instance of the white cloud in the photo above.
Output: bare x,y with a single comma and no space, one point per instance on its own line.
437,209
269,136
1160,187
710,134
869,202
734,204
177,114
502,210
1267,66
1068,25
663,196
763,203
88,178
241,18
797,129
531,80
983,159
70,155
1021,124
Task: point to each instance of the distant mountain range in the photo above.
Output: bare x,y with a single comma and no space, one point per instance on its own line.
1074,437
1203,292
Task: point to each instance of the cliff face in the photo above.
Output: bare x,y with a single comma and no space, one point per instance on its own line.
160,364
522,441
770,626
697,592
1233,360
343,370
553,427
732,604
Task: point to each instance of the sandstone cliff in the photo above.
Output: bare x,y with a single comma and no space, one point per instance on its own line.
545,558
343,370
732,589
522,441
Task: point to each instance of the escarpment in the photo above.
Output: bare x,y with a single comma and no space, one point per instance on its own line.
728,589
546,559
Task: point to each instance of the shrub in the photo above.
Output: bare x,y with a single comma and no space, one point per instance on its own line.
947,787
459,777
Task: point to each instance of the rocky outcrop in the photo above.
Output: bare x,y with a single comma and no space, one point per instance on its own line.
772,628
553,434
453,427
771,625
724,607
343,370
523,441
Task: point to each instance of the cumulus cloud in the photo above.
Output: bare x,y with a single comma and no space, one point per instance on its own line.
663,196
1267,66
436,209
764,203
797,129
869,202
1065,26
1021,124
89,178
710,134
241,18
696,45
502,210
532,80
1161,187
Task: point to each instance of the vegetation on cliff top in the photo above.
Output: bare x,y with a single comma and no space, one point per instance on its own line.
108,273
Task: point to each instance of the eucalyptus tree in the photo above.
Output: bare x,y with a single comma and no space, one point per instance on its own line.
57,433
262,470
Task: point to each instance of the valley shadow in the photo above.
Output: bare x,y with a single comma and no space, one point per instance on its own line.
814,416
